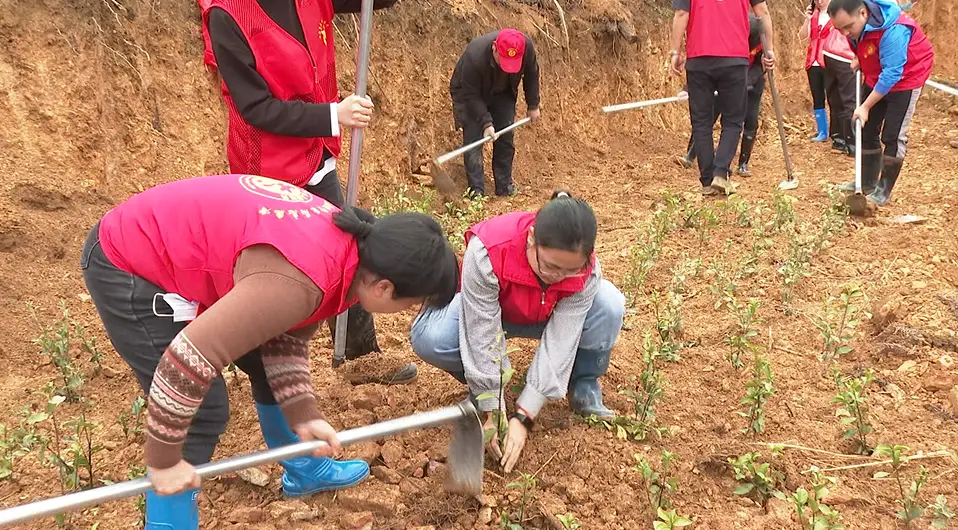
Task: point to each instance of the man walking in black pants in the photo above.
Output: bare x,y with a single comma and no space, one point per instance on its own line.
484,88
718,59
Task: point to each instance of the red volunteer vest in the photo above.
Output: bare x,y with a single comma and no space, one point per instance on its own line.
921,57
817,36
718,29
522,299
292,72
185,236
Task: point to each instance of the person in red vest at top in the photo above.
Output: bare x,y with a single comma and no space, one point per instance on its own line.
839,89
716,35
533,275
755,87
815,30
277,61
249,266
895,58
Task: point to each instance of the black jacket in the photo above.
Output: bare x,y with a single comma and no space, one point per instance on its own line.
477,77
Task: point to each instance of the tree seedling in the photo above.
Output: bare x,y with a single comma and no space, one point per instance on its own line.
568,521
739,340
908,500
795,267
853,409
757,479
839,319
757,391
940,514
500,419
132,422
813,513
526,485
669,520
56,342
658,484
667,311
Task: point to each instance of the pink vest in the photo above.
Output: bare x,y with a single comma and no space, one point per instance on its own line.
522,299
185,236
717,29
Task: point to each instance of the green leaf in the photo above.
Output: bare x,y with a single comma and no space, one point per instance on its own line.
744,489
485,395
881,474
659,525
507,376
37,417
842,350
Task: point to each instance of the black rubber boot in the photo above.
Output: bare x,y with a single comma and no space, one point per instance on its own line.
748,142
871,168
891,168
688,159
849,137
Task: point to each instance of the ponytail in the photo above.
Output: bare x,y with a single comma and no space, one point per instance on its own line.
566,223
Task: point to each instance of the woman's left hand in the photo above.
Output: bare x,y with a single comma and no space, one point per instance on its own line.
515,441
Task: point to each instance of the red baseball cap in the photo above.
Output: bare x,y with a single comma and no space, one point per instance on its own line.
510,45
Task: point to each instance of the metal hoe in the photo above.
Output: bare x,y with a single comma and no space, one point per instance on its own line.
465,462
442,159
856,203
791,181
355,149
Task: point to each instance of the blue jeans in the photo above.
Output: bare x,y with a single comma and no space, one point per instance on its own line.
435,332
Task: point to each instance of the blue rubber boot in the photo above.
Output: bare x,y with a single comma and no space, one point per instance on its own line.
172,512
585,393
821,121
306,475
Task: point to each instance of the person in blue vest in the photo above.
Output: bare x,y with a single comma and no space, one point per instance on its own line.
716,35
895,58
533,275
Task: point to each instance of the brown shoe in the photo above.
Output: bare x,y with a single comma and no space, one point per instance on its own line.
377,369
708,191
722,185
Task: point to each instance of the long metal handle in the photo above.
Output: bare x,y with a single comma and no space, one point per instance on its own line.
781,125
355,150
858,135
639,104
453,154
943,88
121,490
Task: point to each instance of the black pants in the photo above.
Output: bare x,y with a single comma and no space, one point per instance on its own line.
125,304
753,106
360,325
840,93
502,106
888,122
816,82
730,104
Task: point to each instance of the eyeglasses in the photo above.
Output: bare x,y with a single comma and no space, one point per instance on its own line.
553,270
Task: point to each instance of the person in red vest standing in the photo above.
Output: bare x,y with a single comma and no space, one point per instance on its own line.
815,29
277,61
716,35
249,266
533,275
895,58
839,89
755,87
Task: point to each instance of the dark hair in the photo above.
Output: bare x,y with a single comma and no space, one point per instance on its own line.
408,249
848,6
566,223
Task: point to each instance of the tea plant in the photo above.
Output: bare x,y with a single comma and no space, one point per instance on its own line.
783,212
648,392
56,342
132,422
667,311
648,248
853,409
456,218
669,520
736,208
500,420
839,319
723,286
813,513
757,392
526,485
658,484
795,267
67,446
739,340
703,220
940,514
833,218
568,521
908,500
759,479
15,442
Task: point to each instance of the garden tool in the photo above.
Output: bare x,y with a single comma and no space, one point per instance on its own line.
442,181
465,462
639,104
856,202
943,88
355,150
791,180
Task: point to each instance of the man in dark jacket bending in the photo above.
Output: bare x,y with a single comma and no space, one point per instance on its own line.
484,88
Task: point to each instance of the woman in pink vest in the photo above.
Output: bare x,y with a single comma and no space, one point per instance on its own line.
816,28
839,89
534,275
191,276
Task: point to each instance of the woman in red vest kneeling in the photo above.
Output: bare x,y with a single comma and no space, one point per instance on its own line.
534,275
196,274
